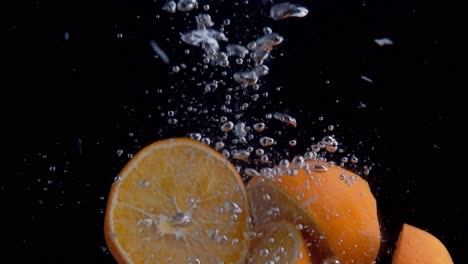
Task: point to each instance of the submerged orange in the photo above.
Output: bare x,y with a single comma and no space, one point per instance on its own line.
334,208
416,246
178,201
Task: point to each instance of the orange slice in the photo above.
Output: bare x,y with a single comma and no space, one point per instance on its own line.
178,201
334,207
416,246
279,243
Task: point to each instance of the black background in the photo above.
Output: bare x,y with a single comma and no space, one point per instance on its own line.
71,104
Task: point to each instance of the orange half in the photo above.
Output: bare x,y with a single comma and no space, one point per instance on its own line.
334,207
178,201
416,246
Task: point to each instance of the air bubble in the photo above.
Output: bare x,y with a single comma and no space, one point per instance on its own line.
172,121
219,145
259,152
228,126
267,30
251,172
206,141
259,127
186,5
240,154
266,141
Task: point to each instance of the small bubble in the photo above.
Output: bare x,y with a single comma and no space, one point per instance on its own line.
227,126
298,161
239,131
172,121
315,148
366,170
259,152
241,154
196,136
219,145
319,168
206,7
232,207
266,197
266,141
264,252
310,155
267,30
225,153
330,128
264,159
251,172
321,144
259,127
267,172
206,141
354,159
284,163
186,5
331,145
292,143
170,7
193,260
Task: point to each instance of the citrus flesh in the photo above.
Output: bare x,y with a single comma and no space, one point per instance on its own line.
278,242
178,201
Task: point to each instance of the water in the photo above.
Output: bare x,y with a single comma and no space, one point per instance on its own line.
221,94
355,74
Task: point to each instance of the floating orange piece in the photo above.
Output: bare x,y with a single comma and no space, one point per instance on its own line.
416,246
178,201
334,208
